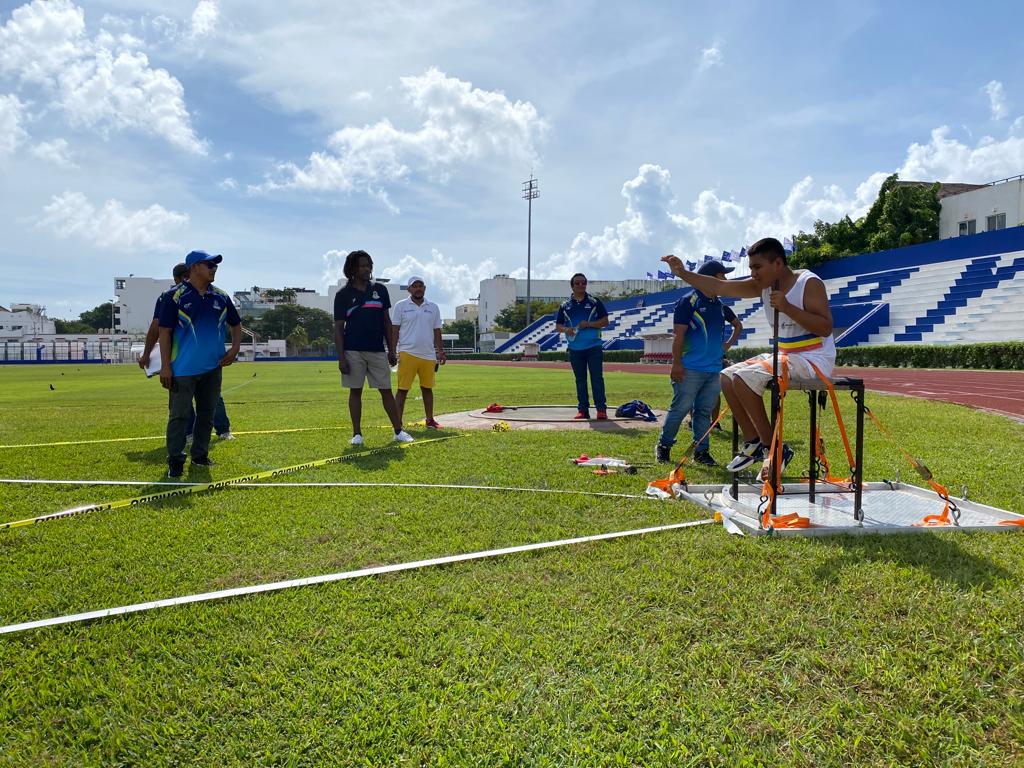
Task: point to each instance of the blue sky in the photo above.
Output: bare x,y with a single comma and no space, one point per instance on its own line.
286,134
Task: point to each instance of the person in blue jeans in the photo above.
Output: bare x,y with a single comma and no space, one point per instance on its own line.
581,319
221,422
698,324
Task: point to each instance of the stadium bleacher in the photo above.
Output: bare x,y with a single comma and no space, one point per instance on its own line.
960,290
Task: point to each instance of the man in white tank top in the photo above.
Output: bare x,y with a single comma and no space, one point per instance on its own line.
805,338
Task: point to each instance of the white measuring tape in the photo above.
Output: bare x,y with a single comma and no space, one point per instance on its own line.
326,579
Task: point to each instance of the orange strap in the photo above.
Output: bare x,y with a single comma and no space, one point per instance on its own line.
792,520
677,476
926,475
839,416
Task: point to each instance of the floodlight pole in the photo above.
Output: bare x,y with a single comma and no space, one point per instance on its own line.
530,193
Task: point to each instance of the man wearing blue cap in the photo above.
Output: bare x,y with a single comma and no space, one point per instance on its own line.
698,325
192,320
221,422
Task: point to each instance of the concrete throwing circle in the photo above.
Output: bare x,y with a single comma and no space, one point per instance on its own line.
544,417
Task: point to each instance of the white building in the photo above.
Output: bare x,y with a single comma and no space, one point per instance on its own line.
24,321
997,205
255,302
502,291
467,312
136,298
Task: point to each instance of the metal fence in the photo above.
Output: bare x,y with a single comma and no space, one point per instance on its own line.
114,351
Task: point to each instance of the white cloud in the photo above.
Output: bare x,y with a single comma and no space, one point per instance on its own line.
72,215
56,152
448,283
652,227
228,183
710,57
461,124
997,100
361,97
101,83
204,18
12,134
947,159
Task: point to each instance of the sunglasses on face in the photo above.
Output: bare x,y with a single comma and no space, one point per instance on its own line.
208,264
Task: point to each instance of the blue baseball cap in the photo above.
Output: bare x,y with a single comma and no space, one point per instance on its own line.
714,268
197,256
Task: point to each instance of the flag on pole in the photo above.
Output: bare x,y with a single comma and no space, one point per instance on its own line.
691,265
727,256
650,276
743,254
708,257
787,245
665,275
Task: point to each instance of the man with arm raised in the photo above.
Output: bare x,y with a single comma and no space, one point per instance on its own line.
805,338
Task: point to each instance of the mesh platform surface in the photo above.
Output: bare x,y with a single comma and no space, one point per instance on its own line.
887,509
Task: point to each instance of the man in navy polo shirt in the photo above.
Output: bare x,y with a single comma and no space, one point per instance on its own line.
697,348
581,319
362,326
193,316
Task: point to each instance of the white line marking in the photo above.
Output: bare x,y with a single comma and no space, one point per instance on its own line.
104,613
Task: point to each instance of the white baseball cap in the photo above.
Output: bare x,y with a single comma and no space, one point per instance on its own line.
415,279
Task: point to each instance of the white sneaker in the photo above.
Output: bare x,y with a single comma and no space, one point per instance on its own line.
403,437
356,440
226,436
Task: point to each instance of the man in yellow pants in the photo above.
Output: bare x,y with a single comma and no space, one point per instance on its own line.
416,324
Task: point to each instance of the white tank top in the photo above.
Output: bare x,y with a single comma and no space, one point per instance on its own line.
794,339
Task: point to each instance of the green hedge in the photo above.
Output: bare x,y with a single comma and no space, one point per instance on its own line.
610,356
1001,356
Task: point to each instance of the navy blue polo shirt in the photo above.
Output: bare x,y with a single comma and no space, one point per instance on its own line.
572,312
364,313
198,322
705,320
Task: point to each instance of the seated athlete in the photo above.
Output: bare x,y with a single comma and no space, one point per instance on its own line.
805,339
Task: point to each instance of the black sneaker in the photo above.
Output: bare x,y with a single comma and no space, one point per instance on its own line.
206,461
787,456
705,458
662,453
750,452
175,471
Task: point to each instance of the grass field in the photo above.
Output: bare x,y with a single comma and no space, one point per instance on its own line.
689,647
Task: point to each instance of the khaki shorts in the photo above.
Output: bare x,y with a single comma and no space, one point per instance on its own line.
410,366
757,376
369,366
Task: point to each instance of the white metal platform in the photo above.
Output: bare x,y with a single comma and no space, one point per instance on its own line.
888,508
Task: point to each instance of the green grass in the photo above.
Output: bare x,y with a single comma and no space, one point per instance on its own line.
684,648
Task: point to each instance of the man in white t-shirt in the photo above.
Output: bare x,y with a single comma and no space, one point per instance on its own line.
417,333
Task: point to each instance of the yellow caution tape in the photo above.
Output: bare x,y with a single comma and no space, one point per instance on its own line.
204,487
162,437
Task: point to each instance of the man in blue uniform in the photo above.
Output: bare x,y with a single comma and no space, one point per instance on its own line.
697,348
221,422
581,319
193,317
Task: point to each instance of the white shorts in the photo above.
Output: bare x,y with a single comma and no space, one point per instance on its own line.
757,376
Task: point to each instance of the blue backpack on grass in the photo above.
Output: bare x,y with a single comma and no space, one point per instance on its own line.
635,409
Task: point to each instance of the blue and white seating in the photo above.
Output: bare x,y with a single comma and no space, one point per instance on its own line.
961,290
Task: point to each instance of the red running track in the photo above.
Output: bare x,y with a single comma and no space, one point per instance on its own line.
1000,392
